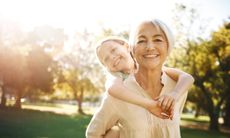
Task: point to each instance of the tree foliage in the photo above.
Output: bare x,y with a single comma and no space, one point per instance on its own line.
207,59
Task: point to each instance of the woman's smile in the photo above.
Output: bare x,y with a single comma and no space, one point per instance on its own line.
150,55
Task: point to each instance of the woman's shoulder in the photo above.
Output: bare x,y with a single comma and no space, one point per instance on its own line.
165,79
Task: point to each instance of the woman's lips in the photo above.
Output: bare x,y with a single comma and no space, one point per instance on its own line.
150,55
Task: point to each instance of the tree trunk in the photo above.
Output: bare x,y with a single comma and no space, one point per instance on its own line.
80,99
80,107
227,113
214,124
18,100
197,112
3,98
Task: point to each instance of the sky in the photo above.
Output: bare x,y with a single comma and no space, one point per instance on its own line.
76,15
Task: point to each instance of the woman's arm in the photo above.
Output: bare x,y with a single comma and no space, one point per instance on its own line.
184,80
103,120
118,90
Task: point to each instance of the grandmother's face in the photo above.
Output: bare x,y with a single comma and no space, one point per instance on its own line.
150,49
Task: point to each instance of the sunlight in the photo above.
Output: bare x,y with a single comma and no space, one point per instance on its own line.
77,15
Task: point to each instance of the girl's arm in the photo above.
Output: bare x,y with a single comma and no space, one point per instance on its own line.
118,90
184,80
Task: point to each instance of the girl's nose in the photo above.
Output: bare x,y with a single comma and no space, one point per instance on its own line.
112,56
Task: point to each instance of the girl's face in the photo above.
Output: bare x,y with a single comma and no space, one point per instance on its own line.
150,48
115,56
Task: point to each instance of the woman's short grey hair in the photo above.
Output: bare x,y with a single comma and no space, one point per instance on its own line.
159,24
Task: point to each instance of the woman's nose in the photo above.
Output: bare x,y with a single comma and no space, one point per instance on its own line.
150,46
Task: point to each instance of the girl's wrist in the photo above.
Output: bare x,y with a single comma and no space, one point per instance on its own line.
174,94
149,104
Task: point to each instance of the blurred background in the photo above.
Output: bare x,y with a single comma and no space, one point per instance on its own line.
51,81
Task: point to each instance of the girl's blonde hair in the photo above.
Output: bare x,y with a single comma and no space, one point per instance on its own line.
118,40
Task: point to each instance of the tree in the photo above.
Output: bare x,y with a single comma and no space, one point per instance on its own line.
13,73
40,69
221,50
207,60
79,67
24,61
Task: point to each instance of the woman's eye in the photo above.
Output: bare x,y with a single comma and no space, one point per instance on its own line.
141,41
158,40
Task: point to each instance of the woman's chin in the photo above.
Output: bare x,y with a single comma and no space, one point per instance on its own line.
152,66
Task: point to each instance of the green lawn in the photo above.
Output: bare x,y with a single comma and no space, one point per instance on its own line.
37,124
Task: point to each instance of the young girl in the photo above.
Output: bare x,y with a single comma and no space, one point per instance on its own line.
114,54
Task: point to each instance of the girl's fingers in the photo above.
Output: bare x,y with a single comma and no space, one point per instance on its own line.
164,104
160,100
164,115
172,105
169,104
157,98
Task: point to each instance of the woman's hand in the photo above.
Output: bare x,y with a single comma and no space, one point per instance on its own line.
156,110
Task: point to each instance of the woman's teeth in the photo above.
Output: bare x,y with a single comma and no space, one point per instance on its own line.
150,55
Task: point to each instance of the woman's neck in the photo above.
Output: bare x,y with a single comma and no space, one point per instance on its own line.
150,81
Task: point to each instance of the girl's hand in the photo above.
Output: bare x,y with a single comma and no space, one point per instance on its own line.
156,110
167,103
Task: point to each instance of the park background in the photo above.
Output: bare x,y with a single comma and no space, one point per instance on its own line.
51,81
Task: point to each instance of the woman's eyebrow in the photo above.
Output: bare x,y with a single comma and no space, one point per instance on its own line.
141,36
157,35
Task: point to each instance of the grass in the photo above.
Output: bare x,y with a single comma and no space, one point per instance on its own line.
196,133
42,124
190,117
37,124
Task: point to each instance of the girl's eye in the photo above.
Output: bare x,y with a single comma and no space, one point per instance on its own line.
113,50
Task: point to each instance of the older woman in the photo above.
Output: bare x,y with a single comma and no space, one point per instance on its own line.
151,42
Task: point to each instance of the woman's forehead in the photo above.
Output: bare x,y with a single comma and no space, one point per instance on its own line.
148,27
